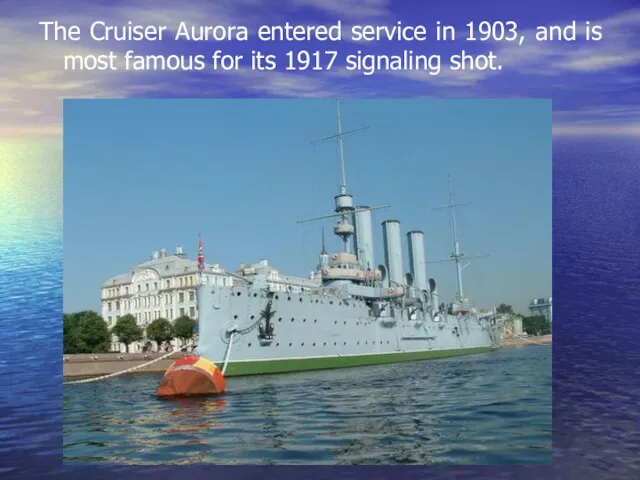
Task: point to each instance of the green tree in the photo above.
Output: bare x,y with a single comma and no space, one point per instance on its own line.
71,334
160,331
127,330
503,308
85,332
536,325
184,328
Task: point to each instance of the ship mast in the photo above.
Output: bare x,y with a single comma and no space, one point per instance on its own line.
343,184
456,242
457,255
343,201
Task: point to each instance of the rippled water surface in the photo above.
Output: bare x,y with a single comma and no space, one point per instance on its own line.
492,408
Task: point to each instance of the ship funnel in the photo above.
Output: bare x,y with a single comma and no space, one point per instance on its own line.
433,293
393,250
417,261
364,237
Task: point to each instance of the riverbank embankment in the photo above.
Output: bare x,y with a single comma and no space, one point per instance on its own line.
87,365
514,342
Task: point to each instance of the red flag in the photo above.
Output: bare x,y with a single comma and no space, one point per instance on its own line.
200,256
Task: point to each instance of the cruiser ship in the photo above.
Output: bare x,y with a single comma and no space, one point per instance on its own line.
356,313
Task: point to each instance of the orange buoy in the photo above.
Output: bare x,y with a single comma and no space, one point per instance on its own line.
191,375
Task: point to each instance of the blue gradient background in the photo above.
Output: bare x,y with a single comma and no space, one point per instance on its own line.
596,217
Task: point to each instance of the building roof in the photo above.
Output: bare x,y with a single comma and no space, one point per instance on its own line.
168,266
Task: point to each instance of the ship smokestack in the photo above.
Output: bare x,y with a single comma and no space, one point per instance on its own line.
433,293
364,237
417,261
393,250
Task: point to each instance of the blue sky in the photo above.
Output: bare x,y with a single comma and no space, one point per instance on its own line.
141,175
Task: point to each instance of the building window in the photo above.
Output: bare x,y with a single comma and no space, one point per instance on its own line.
168,283
117,305
181,297
109,306
126,290
181,311
146,287
117,317
155,285
192,296
192,312
138,288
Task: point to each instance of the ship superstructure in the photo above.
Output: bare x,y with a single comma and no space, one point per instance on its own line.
356,313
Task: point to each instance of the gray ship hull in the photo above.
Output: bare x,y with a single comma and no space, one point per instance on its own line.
356,314
319,331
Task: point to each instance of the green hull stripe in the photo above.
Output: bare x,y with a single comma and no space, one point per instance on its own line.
261,367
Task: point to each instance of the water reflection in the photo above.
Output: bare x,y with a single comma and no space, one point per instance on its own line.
194,415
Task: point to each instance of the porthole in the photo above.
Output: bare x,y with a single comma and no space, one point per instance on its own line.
249,345
238,294
255,295
302,344
289,298
252,317
235,317
280,319
313,344
292,319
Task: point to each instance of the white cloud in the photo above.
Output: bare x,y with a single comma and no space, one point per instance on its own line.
602,120
33,83
349,9
618,48
596,129
279,83
611,112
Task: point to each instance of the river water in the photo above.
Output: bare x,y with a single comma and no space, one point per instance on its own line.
492,408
